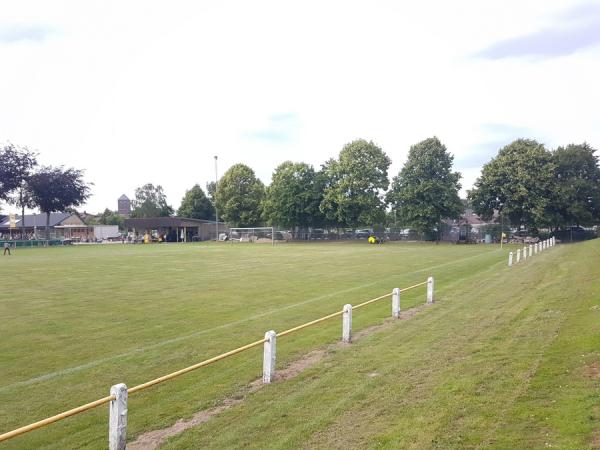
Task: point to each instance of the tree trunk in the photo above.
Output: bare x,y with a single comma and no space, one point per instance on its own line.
22,215
47,226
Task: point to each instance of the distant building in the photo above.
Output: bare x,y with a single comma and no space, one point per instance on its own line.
124,206
175,229
62,225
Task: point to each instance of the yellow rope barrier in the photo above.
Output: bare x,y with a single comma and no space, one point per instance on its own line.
56,418
170,376
140,387
308,324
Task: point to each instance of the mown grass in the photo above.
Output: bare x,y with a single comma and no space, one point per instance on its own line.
77,320
501,361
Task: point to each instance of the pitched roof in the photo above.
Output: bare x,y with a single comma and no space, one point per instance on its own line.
123,197
36,220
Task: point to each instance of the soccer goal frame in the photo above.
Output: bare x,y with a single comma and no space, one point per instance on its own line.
251,234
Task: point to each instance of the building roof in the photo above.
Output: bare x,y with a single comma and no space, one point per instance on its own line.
164,222
123,197
35,220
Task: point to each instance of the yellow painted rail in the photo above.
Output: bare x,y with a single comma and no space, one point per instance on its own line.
102,401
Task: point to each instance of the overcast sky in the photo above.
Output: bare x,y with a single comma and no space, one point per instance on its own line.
137,92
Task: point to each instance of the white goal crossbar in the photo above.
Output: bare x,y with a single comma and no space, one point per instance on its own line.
252,234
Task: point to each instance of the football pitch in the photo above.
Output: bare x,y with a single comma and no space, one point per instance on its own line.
76,320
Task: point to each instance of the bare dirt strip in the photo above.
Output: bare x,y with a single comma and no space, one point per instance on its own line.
153,439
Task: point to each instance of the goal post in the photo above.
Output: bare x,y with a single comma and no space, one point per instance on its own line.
252,235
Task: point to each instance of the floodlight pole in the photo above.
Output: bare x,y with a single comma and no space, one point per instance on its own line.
215,201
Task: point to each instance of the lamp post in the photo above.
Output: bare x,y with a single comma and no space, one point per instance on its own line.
215,200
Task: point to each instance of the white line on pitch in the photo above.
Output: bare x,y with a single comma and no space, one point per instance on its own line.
96,362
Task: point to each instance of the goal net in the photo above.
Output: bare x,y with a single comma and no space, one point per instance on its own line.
263,235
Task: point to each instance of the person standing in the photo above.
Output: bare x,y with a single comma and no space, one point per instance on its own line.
6,248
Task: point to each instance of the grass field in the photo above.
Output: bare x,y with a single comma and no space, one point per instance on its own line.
506,357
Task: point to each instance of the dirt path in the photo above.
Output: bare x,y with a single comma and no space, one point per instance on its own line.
153,439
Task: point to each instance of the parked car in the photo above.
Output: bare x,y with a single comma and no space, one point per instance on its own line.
362,234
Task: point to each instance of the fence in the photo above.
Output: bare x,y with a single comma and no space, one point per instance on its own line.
119,392
529,250
30,243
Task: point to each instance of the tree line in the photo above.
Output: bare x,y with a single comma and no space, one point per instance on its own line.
27,185
525,183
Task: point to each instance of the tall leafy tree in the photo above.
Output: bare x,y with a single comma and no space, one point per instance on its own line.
196,205
16,165
576,199
294,196
239,196
150,201
425,192
518,182
55,189
355,185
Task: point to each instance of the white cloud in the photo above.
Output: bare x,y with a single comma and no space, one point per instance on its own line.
138,92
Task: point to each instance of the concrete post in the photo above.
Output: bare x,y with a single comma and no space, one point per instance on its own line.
269,356
530,250
396,303
518,255
430,290
524,253
510,257
117,420
347,324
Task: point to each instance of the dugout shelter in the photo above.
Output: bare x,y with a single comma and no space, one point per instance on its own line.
175,229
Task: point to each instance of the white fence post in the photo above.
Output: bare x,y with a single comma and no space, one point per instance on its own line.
117,420
510,256
518,254
347,324
524,253
430,290
530,250
269,356
396,303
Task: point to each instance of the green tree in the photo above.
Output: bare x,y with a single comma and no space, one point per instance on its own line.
239,196
109,217
355,184
55,189
518,182
294,196
196,205
577,189
150,201
425,192
16,166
